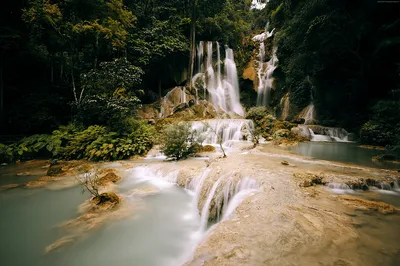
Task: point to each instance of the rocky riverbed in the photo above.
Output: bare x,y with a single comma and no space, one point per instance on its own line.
289,217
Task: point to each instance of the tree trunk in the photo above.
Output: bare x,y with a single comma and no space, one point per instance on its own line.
192,45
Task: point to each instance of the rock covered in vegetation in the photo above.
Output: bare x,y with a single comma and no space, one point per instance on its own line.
110,177
106,199
55,169
308,179
207,148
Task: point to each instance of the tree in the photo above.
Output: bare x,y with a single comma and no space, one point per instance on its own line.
217,130
91,183
179,141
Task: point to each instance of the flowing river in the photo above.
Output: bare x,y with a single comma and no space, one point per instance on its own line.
164,223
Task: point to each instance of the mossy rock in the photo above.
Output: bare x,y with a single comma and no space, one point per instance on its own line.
55,170
107,198
109,178
207,148
282,134
308,180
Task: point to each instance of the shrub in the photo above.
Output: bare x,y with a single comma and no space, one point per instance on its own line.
383,129
6,153
179,141
374,133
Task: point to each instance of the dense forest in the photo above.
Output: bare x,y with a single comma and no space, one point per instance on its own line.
94,62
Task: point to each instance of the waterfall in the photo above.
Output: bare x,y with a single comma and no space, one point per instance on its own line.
183,95
285,106
308,113
243,188
265,69
319,133
222,88
258,4
206,208
225,129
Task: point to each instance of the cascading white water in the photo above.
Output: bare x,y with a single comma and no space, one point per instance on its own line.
225,129
183,95
206,207
308,113
243,188
222,88
329,134
258,4
265,70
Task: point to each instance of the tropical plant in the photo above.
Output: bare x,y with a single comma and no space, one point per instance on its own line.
179,141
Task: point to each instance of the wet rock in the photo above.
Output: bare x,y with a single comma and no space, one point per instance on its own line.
367,205
284,163
308,179
55,169
180,108
298,121
359,184
108,199
110,177
384,157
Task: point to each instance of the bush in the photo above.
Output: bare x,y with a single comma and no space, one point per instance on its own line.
383,128
95,143
373,133
179,141
6,153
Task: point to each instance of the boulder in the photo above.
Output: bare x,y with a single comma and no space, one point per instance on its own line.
308,180
298,121
109,178
180,107
55,169
107,198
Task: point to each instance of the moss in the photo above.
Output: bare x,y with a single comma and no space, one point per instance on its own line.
207,148
308,180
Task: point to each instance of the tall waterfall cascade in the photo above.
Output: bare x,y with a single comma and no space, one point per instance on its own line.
308,113
225,130
220,88
265,69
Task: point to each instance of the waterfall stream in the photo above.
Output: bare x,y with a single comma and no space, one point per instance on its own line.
224,130
265,69
222,88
